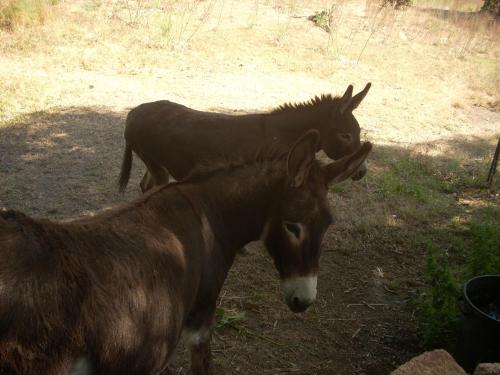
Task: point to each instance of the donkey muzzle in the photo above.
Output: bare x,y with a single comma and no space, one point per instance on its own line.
297,305
360,173
300,292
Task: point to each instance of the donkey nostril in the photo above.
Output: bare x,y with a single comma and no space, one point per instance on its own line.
297,305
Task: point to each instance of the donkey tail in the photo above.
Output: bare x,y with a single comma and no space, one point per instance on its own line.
126,167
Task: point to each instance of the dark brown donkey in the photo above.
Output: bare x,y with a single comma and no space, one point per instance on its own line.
113,293
172,139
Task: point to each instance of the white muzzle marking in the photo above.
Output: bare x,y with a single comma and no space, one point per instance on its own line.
304,288
363,168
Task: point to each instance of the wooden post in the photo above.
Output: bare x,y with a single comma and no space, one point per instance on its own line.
493,167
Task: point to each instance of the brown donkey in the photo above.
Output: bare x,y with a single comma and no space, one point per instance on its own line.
172,139
113,292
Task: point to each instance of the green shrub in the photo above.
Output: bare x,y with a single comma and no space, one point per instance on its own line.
397,4
484,256
438,303
322,19
492,6
438,313
225,320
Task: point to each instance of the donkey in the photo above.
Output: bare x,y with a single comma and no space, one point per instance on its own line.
113,292
172,139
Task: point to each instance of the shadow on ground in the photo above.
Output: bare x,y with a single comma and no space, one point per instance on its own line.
65,162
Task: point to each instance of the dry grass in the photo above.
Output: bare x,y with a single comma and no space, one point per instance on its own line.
433,113
141,39
15,14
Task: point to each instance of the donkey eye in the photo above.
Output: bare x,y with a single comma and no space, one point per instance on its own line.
293,228
345,137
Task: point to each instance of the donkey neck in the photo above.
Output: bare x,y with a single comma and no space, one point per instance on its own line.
288,124
237,205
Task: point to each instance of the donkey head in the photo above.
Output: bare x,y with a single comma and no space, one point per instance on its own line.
341,135
301,216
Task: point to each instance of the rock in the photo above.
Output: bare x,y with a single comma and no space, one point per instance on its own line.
487,369
436,362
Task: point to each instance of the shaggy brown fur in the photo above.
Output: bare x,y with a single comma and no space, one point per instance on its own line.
172,139
115,291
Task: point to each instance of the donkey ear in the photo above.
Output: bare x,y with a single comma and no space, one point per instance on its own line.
346,99
342,169
301,157
358,98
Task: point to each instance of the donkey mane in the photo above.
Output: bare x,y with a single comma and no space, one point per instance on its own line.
266,157
323,99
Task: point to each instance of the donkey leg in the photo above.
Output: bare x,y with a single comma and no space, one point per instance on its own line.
167,371
155,175
201,359
146,182
199,345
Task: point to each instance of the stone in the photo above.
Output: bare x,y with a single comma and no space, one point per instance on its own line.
436,362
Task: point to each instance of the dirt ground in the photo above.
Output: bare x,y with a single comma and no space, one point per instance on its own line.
62,165
66,88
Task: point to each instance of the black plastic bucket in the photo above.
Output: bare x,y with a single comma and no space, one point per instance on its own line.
479,337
